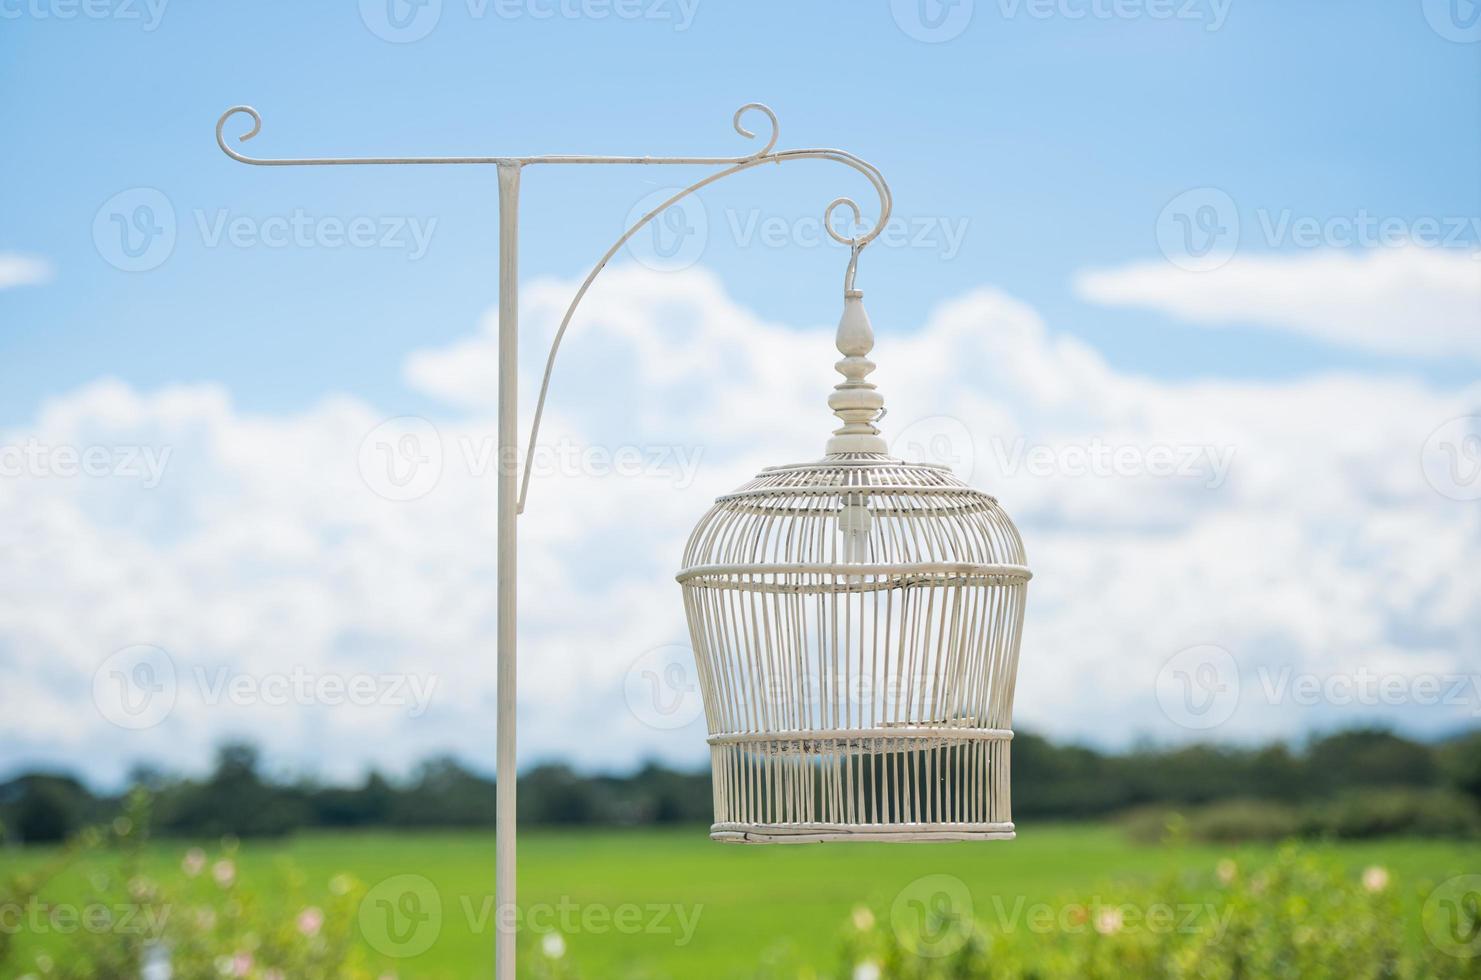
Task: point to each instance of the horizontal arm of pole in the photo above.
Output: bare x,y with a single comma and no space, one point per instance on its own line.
730,165
522,161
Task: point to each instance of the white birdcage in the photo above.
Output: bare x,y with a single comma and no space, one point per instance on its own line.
855,624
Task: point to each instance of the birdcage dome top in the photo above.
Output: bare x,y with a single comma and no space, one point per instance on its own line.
901,513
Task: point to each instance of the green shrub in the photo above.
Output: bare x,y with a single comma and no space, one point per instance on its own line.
203,922
1296,916
1353,815
1379,813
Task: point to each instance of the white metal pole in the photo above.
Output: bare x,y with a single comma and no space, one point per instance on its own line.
508,498
511,493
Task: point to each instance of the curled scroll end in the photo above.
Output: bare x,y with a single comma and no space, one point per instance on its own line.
221,128
748,134
843,202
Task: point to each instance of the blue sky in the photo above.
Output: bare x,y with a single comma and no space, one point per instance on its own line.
1058,140
1030,147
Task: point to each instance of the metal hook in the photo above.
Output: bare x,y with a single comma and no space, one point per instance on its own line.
853,267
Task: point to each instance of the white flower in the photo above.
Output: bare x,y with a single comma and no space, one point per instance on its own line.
194,862
553,945
867,970
1375,878
863,918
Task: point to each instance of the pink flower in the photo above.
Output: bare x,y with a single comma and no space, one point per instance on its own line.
241,964
225,873
194,862
310,920
1108,921
1375,878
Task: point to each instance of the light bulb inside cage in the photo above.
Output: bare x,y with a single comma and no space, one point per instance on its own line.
855,623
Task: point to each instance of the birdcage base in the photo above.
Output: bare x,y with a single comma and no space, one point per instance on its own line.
820,833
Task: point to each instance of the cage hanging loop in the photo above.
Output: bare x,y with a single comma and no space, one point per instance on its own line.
853,267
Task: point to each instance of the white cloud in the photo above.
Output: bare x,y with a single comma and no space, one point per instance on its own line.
264,550
23,270
1411,301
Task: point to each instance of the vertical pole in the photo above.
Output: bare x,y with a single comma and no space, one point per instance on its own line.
507,773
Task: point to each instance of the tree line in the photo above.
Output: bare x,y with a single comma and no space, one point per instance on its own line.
1050,782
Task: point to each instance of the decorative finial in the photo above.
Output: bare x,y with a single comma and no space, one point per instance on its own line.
854,400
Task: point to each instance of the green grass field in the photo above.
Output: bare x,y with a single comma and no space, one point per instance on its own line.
746,905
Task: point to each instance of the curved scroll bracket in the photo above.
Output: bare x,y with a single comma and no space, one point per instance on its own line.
730,165
856,245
